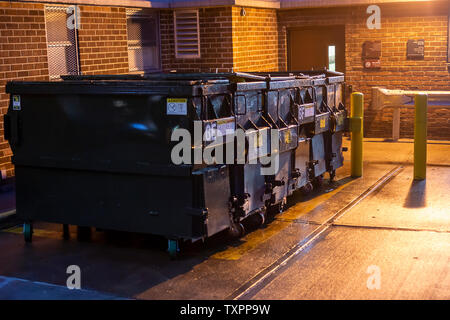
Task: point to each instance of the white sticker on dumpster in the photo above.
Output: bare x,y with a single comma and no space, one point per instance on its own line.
226,126
309,110
16,103
177,106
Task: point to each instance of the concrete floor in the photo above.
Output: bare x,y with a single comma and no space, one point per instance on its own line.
402,228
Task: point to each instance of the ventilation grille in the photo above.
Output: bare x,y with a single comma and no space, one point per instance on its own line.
187,35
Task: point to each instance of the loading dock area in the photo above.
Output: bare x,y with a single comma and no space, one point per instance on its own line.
99,200
326,245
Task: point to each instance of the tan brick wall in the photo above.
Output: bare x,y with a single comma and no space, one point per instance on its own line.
216,49
255,39
102,40
23,56
398,24
228,41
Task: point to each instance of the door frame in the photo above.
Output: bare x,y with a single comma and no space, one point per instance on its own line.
288,40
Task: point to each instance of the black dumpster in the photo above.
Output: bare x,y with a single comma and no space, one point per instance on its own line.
248,183
333,138
97,152
151,153
281,98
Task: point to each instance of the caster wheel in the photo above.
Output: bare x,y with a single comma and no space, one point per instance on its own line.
173,248
279,208
262,216
282,205
332,175
66,233
255,221
84,233
307,188
237,230
318,182
241,230
28,232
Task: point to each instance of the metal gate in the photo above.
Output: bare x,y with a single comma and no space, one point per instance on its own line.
62,48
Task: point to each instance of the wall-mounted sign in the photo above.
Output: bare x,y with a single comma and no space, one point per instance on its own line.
415,49
371,54
372,63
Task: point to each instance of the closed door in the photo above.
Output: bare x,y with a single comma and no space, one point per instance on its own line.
316,48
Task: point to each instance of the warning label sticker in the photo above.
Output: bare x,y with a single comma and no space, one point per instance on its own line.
177,106
287,137
16,103
322,123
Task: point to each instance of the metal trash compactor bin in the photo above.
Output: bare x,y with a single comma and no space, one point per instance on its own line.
98,151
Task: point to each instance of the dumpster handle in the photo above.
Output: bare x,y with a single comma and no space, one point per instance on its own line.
245,104
7,127
293,105
280,120
229,99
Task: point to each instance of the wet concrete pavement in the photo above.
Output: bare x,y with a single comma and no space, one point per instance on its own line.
403,230
400,226
412,265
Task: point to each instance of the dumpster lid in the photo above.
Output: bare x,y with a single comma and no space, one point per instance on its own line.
235,76
231,76
187,80
121,85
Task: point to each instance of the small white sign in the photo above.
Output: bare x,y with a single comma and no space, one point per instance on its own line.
177,107
309,111
210,131
225,127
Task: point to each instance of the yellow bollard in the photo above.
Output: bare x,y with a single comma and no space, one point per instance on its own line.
420,137
357,133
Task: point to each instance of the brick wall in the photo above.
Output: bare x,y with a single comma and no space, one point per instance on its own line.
216,49
102,40
254,42
23,56
228,41
255,39
398,24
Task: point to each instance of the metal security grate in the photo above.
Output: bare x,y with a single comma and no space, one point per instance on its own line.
61,41
187,35
143,40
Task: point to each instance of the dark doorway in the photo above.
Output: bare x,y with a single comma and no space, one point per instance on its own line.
317,48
